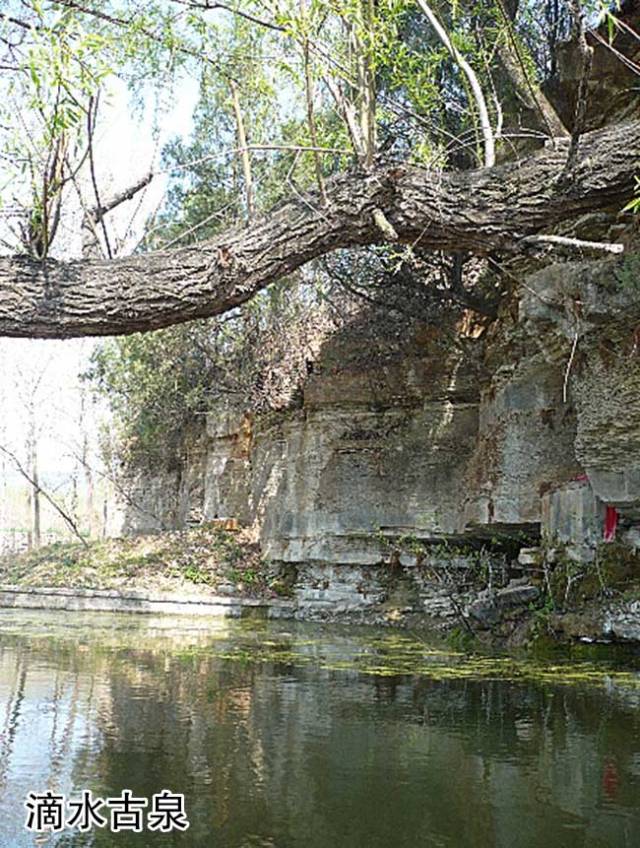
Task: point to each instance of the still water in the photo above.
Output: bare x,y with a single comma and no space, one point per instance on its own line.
284,736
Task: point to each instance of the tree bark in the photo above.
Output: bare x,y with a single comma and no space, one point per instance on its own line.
477,211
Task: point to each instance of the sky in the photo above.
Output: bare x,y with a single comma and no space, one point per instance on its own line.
47,372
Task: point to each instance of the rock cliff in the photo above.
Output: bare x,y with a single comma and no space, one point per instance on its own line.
433,444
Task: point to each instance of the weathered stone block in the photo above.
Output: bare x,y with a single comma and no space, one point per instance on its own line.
529,556
619,488
572,513
490,606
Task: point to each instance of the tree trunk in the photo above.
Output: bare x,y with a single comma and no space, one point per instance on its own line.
243,149
541,112
86,467
477,211
365,75
309,98
34,493
472,78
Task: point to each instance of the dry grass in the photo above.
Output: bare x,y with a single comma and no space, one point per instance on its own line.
191,561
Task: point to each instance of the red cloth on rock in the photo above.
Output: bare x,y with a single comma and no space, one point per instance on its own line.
610,523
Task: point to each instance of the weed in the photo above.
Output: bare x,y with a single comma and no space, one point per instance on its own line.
628,273
541,616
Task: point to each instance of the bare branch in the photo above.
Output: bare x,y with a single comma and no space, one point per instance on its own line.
574,243
476,88
120,197
39,490
244,150
212,7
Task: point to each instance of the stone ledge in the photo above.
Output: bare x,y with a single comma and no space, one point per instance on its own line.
139,601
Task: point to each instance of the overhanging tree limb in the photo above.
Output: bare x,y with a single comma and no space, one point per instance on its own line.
477,211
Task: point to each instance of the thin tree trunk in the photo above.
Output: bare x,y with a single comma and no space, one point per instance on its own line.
349,115
85,469
311,118
244,150
366,83
529,92
34,493
36,486
474,83
586,60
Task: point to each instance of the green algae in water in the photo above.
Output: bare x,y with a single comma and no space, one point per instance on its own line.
367,652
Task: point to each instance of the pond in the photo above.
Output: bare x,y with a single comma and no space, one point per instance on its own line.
286,735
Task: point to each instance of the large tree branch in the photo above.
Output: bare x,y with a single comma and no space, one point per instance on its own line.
478,211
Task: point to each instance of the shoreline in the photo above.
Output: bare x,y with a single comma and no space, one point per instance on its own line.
616,623
208,571
139,601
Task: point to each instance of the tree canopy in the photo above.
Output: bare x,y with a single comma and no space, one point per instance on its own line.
321,125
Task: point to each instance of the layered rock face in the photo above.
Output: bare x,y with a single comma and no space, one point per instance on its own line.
594,307
415,455
527,426
379,444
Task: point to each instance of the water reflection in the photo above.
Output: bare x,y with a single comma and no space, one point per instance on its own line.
290,736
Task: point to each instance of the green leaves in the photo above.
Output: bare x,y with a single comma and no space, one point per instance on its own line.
634,205
154,383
